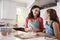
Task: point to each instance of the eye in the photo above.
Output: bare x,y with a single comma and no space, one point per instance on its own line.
35,10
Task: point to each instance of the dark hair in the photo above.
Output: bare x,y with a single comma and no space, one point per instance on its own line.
53,15
30,15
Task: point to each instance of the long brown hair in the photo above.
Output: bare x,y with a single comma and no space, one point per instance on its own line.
31,13
53,15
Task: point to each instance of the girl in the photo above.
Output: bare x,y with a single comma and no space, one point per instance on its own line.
52,24
34,22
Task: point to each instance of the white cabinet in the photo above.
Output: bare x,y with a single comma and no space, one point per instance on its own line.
58,9
0,8
9,10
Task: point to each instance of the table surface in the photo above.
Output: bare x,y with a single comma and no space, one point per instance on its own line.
33,38
12,37
20,32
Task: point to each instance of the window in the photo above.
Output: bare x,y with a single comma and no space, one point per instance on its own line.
20,16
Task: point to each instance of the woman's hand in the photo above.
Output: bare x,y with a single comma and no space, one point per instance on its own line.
28,29
31,29
35,30
41,34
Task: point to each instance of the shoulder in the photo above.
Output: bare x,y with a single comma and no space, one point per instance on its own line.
26,18
56,27
40,18
55,24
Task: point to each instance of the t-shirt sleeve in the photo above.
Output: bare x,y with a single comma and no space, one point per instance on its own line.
41,25
26,22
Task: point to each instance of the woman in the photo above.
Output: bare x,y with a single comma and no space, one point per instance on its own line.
52,24
34,22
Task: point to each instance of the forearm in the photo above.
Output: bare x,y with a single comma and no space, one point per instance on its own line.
45,35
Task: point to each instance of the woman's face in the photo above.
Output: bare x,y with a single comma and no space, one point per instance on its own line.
46,16
36,11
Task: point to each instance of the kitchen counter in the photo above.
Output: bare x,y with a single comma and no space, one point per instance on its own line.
12,37
24,36
31,36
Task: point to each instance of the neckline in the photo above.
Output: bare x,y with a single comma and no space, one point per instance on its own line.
50,23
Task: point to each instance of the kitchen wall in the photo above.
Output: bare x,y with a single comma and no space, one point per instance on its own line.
22,14
57,8
8,10
43,11
0,8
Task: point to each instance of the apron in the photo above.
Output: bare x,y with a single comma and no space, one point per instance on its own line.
34,24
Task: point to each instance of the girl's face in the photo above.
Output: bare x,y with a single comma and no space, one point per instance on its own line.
46,16
36,11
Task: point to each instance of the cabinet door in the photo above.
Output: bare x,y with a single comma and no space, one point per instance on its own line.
12,12
58,9
0,8
6,9
9,10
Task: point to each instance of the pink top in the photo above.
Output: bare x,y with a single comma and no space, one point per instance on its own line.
40,21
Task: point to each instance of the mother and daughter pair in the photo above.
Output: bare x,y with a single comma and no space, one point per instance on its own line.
34,22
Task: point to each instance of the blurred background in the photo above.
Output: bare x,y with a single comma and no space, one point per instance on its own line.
14,12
